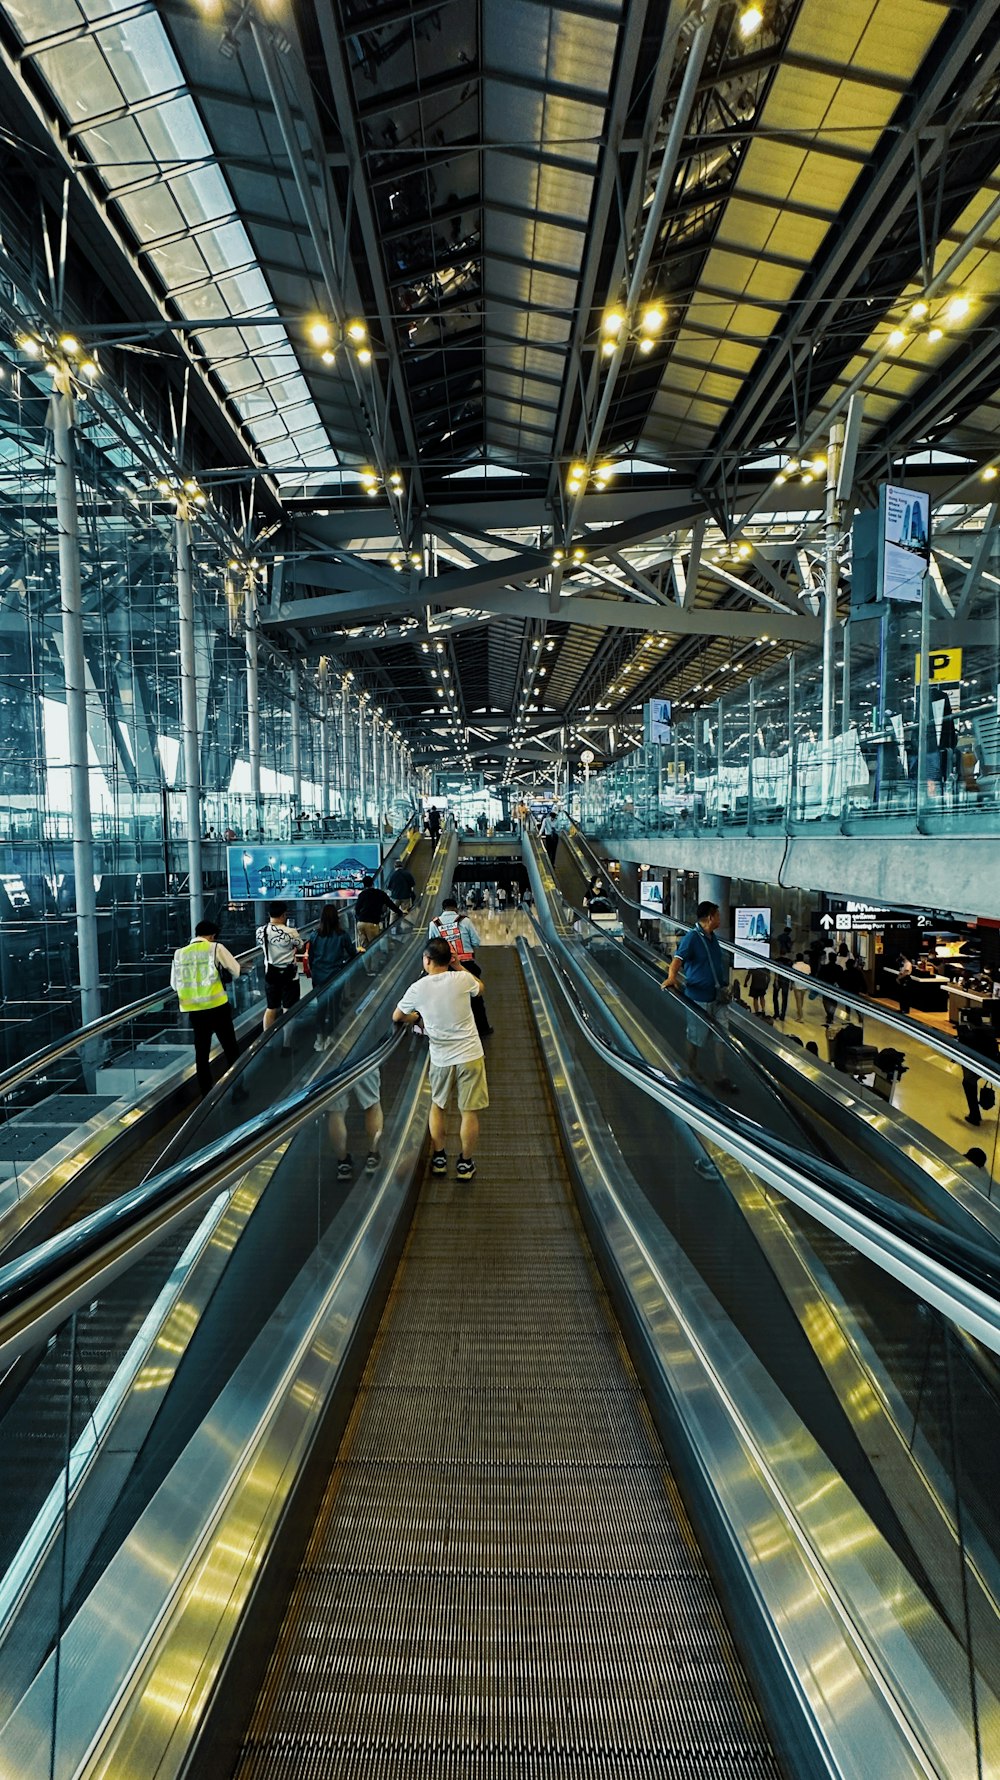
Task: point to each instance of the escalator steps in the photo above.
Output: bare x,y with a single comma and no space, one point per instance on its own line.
501,1581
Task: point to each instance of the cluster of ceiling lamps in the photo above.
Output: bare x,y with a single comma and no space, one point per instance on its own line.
371,482
598,475
643,330
577,555
528,705
326,337
920,322
398,560
59,352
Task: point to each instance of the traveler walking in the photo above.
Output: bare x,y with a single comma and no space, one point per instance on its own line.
550,835
201,992
442,1002
329,952
804,969
366,1093
755,982
282,947
403,886
976,1036
432,823
462,939
369,913
699,957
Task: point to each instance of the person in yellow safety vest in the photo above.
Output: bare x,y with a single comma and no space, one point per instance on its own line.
202,995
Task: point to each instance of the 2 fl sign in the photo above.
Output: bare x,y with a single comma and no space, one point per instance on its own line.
944,667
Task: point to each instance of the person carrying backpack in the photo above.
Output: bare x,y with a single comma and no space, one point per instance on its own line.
329,952
462,939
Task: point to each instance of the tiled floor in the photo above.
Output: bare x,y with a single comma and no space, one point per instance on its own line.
930,1092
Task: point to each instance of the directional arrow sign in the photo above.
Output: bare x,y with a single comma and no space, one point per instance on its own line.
826,920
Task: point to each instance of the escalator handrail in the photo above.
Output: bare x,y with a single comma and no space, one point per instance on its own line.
20,1072
935,1041
48,1281
897,1226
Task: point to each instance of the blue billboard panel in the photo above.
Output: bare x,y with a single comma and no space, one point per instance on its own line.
326,868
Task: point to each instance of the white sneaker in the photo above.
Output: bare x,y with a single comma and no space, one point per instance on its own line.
320,1044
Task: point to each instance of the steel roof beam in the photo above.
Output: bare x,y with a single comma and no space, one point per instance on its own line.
599,614
853,241
343,99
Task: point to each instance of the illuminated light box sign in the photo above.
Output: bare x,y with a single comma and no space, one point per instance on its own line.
264,874
651,898
904,540
658,717
753,931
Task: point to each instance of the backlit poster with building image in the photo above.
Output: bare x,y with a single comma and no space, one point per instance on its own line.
905,549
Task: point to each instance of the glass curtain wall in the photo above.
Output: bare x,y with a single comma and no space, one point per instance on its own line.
909,751
128,552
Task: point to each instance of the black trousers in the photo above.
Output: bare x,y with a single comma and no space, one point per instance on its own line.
479,1013
208,1023
779,997
551,842
970,1084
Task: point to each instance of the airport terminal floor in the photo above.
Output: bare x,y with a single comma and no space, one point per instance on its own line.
498,516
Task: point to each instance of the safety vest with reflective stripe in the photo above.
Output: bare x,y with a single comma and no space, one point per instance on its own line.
450,928
195,976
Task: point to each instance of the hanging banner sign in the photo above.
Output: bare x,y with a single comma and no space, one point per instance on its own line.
945,667
904,543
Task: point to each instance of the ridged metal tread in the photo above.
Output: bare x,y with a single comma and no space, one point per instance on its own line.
501,1581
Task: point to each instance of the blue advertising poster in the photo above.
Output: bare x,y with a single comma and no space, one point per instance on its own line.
335,869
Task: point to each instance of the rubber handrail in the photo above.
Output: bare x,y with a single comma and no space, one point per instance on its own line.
85,1246
960,1254
935,1041
21,1072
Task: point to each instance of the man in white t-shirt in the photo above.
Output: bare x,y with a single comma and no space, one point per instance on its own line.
441,1002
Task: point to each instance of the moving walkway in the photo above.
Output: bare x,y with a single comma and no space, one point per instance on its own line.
88,1118
501,1576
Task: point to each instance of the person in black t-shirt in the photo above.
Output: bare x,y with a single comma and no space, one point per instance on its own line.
976,1036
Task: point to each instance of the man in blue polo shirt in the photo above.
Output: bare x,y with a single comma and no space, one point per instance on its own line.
705,990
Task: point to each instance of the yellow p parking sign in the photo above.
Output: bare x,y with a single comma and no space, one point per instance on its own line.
944,667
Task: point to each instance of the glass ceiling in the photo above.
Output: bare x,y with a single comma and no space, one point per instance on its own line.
112,71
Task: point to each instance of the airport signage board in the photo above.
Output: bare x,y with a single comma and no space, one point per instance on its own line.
658,721
330,869
904,543
753,931
651,898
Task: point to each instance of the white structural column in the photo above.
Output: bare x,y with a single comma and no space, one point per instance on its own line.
296,716
362,784
345,736
832,577
190,748
713,888
253,697
324,739
62,421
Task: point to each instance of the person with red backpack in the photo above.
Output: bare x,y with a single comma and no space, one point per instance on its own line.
462,939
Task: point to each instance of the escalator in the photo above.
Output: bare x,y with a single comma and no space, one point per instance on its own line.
500,1525
799,1099
129,1133
401,1469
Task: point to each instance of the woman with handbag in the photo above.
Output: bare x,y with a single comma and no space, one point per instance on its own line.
705,990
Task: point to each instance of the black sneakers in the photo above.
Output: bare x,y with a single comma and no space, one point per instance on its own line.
465,1168
439,1162
345,1168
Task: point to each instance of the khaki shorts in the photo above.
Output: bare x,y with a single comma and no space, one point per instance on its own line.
468,1077
368,932
366,1092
